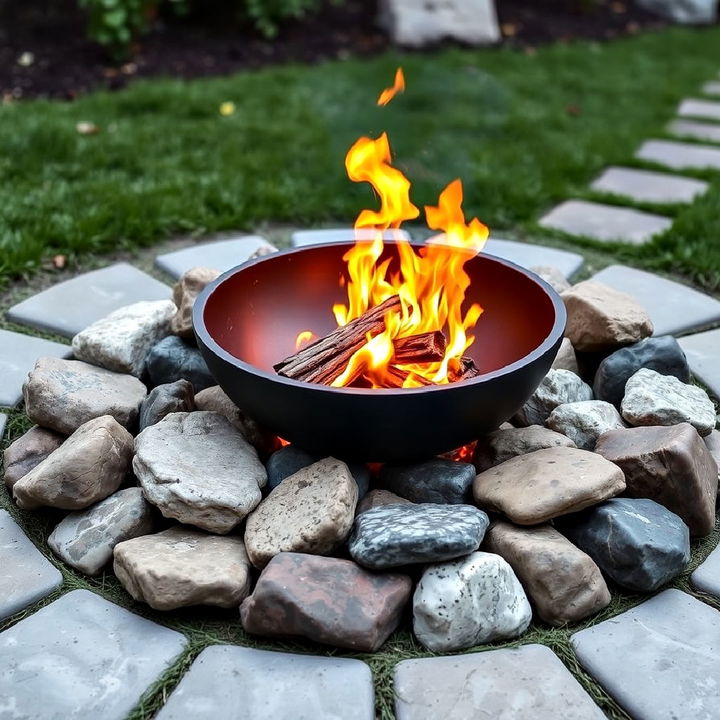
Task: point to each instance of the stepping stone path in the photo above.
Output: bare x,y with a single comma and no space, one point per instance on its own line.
303,238
702,352
700,108
707,577
711,88
530,256
648,186
680,156
710,132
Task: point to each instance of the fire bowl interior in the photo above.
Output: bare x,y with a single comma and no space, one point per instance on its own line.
248,319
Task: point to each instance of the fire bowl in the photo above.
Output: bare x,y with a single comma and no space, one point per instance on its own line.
247,320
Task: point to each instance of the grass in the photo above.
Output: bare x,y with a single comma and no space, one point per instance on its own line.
522,131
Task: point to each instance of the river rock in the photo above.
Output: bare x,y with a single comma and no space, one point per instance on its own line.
638,543
435,481
552,276
557,388
174,359
27,452
670,465
566,358
121,341
327,600
312,512
654,399
181,567
85,539
534,488
166,399
397,535
563,582
601,318
62,395
584,422
88,467
471,601
502,445
198,469
379,498
186,290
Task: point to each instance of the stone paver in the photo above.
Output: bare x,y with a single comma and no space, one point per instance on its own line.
3,420
605,222
527,683
301,238
220,255
70,306
26,575
662,299
648,186
236,683
659,660
680,156
18,354
702,352
697,130
711,88
707,576
81,657
528,255
700,108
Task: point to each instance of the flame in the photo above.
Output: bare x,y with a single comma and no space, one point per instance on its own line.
398,86
305,338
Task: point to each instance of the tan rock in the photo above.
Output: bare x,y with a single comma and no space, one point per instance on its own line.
566,358
601,318
186,290
28,452
534,488
564,583
378,498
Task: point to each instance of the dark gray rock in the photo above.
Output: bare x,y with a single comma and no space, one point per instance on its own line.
637,542
662,354
397,535
166,399
174,359
436,481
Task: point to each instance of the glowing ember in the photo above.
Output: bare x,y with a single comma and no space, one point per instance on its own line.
398,86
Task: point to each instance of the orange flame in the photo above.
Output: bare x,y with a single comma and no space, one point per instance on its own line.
304,338
398,86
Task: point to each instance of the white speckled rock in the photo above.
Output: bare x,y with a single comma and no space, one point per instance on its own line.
557,388
584,422
121,341
655,399
477,599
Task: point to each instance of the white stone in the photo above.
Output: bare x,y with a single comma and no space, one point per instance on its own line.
680,156
584,422
685,12
708,109
528,255
566,358
703,356
477,599
122,340
648,186
710,132
557,388
303,238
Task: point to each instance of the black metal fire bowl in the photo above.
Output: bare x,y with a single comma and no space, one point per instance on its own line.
247,320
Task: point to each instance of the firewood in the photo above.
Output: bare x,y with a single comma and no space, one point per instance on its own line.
468,369
422,348
396,377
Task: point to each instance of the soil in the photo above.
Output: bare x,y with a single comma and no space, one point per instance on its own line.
63,63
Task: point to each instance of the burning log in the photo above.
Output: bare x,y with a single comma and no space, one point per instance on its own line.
396,376
423,348
468,369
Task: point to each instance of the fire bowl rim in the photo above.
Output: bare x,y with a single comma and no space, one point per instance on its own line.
205,338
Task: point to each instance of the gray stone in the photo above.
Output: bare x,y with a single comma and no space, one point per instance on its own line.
174,359
27,452
661,299
231,683
166,399
566,358
707,576
27,576
220,254
121,341
708,109
82,657
552,276
185,292
654,399
711,88
70,306
709,132
85,539
648,186
3,420
397,535
680,156
435,481
197,469
712,442
638,543
584,422
18,354
303,238
525,683
471,601
658,660
702,351
687,12
528,255
557,388
379,498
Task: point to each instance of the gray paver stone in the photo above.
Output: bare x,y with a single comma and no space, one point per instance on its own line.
236,683
26,575
528,255
70,306
658,660
699,108
648,186
302,238
703,352
709,132
711,88
680,156
707,576
81,657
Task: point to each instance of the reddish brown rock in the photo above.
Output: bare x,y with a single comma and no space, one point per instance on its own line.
327,600
28,451
668,464
378,498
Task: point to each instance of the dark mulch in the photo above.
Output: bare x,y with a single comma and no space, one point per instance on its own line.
66,64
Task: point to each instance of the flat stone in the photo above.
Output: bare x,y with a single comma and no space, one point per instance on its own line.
181,567
327,600
566,358
379,498
585,422
525,683
707,576
220,254
557,388
605,222
27,452
434,481
654,399
552,276
85,539
165,399
702,351
231,683
185,292
27,576
84,658
679,155
537,487
174,359
648,186
671,465
62,395
661,298
397,535
692,107
638,543
69,307
530,255
711,88
668,646
710,132
312,511
471,601
18,354
198,469
303,238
